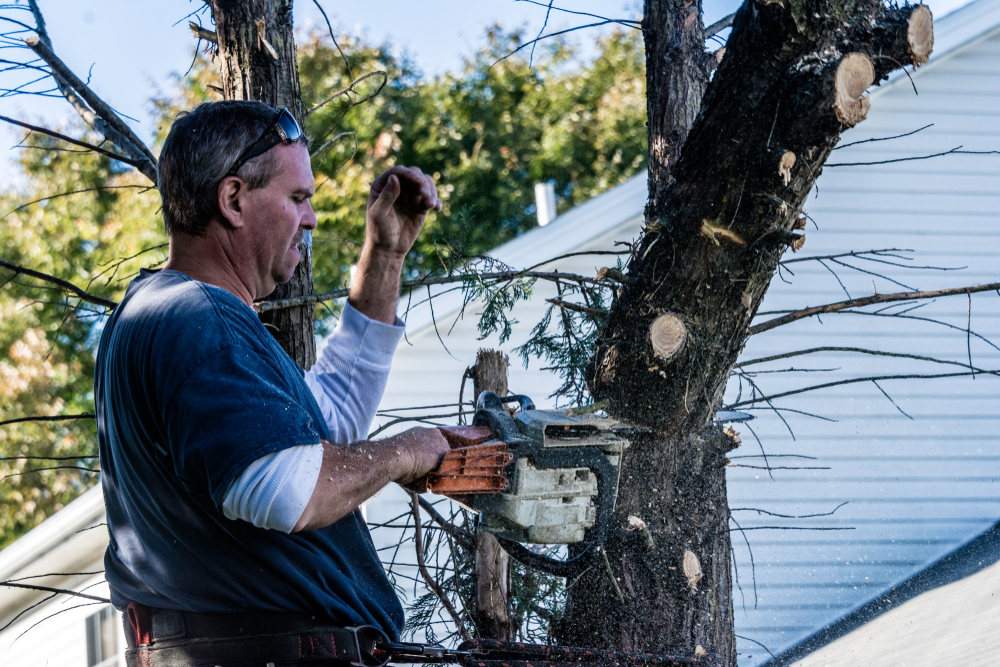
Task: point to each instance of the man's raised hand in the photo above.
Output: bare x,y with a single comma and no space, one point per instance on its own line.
397,207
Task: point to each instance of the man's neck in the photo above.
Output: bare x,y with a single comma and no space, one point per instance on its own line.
206,259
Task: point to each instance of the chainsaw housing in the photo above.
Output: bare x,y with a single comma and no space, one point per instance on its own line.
554,493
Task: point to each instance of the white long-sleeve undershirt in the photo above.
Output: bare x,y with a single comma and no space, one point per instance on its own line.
347,380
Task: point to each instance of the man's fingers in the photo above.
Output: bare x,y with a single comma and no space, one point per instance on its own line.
388,194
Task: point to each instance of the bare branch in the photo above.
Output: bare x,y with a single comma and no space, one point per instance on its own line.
47,589
431,584
74,192
106,120
55,418
462,536
554,34
860,350
628,23
59,282
896,136
914,376
498,276
577,308
71,140
867,301
334,39
350,89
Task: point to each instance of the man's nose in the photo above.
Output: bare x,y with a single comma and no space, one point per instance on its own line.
309,219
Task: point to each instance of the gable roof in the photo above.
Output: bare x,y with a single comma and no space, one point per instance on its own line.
980,555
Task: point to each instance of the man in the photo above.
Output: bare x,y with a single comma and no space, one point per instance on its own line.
232,480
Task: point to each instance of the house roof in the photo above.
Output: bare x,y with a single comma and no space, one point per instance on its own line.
968,577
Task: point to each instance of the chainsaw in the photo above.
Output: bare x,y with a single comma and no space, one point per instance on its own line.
544,477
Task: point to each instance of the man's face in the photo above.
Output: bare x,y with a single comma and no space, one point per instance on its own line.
276,216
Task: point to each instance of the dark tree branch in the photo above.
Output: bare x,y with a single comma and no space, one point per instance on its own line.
47,589
55,418
102,118
428,579
74,192
59,282
498,276
719,25
71,140
826,385
334,39
867,301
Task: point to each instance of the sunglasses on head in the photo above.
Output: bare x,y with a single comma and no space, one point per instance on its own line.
284,129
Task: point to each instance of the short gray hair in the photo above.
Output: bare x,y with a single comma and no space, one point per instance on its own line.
198,153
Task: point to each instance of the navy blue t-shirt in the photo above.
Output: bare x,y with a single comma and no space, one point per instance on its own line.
190,389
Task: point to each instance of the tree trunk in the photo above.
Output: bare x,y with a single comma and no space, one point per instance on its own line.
493,618
257,61
718,221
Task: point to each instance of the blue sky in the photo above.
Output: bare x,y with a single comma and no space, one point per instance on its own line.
133,48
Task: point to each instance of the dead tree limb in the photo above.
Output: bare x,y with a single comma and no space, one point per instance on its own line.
102,118
63,284
867,301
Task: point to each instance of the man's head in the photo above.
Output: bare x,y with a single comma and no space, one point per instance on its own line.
201,148
239,229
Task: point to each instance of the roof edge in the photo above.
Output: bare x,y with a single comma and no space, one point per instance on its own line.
975,555
51,532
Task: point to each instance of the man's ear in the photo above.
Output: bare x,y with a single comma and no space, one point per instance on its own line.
230,190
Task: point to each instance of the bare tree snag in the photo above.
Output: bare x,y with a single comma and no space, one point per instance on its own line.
853,76
493,618
792,79
257,62
666,335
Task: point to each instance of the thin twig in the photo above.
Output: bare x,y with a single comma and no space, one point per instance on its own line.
47,589
74,192
497,276
55,418
431,584
76,142
577,308
67,286
853,381
787,516
896,136
330,28
867,301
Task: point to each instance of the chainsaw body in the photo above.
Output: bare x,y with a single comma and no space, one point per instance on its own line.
543,477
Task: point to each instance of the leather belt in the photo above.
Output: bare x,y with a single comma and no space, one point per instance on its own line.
169,638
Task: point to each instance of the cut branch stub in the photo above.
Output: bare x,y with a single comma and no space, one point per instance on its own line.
667,334
785,166
855,73
920,34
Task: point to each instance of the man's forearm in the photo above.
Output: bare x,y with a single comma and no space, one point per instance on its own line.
349,476
375,288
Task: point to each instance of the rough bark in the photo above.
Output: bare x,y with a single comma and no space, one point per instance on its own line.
718,220
677,489
677,69
257,62
492,618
